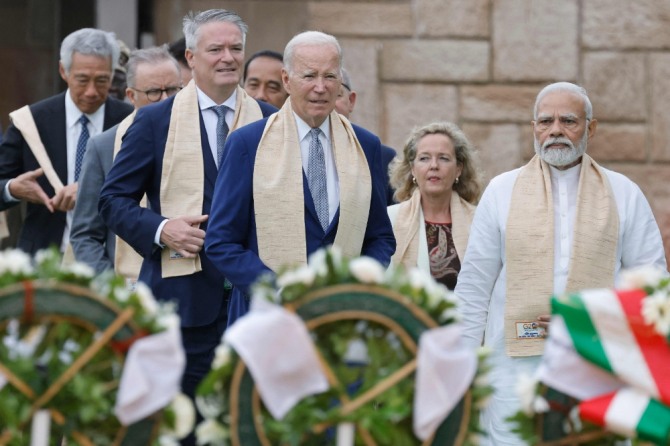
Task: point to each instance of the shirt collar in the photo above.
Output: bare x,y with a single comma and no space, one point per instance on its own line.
206,102
304,128
72,114
567,174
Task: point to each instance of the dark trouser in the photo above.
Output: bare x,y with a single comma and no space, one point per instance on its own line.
199,344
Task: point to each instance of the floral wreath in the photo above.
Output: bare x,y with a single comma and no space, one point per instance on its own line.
365,351
608,401
57,364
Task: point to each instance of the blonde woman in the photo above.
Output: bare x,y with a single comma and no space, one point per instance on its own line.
437,187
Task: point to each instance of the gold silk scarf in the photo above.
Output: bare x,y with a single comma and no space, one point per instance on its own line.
183,175
279,201
407,224
529,245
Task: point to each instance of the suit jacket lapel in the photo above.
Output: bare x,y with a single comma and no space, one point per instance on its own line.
208,158
54,136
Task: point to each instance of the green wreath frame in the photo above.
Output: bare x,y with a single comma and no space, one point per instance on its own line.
49,301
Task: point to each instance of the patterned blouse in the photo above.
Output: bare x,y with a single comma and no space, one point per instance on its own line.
444,263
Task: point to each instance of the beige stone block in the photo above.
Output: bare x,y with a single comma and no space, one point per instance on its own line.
619,142
527,142
660,98
626,24
360,60
535,40
448,18
362,18
407,106
435,60
498,145
616,84
653,181
498,102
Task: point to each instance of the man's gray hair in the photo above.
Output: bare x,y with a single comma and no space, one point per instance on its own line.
569,88
152,56
309,38
90,42
193,22
346,79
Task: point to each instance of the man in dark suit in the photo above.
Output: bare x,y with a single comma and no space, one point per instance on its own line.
152,75
170,154
312,180
63,124
345,103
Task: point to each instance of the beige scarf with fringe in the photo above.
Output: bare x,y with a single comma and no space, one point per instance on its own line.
529,245
279,200
407,224
183,175
127,262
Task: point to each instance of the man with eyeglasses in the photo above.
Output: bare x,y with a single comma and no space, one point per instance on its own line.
152,75
42,152
561,223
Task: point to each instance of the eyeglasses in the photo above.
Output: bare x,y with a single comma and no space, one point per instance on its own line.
346,86
155,94
567,122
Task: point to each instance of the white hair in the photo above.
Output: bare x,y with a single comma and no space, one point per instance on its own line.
309,38
569,88
192,23
90,42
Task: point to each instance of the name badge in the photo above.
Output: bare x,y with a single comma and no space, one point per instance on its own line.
174,255
530,330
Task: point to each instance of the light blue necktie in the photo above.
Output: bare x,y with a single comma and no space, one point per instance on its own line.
221,131
81,146
316,178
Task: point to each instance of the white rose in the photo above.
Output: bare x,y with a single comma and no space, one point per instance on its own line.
168,320
525,389
122,294
184,413
649,275
211,432
367,270
17,262
317,261
303,275
656,311
208,406
146,298
81,270
167,440
222,355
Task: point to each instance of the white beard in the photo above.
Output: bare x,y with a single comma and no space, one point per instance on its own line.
561,157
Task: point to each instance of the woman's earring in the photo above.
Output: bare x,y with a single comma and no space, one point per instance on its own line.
414,180
456,182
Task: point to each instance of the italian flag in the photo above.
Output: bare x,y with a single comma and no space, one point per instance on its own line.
630,413
608,330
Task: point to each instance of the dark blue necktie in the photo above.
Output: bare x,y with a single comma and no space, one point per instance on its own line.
81,146
316,178
221,131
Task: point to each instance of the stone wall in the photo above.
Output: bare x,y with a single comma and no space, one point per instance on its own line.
480,63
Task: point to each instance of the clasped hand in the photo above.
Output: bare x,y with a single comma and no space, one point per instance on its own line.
183,235
25,187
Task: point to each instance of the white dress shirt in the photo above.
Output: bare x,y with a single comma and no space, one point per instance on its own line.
332,182
482,281
210,119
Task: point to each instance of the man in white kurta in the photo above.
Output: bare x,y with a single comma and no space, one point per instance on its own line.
562,112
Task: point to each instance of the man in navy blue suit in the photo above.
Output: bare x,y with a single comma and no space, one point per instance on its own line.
303,179
170,153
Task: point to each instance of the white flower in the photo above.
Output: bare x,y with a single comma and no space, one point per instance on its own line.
540,405
146,298
525,389
367,270
122,294
304,275
44,255
317,261
222,356
419,279
656,311
450,314
80,270
643,276
475,438
184,413
209,406
168,320
16,261
211,432
167,440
